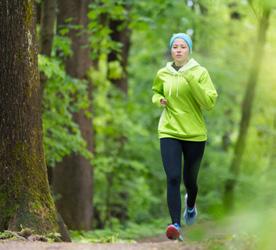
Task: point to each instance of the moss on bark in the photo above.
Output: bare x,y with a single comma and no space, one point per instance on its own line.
25,199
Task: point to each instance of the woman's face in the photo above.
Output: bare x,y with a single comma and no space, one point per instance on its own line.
180,51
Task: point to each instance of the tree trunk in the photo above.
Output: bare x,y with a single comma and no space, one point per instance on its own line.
72,178
122,36
25,198
246,113
273,152
199,8
48,18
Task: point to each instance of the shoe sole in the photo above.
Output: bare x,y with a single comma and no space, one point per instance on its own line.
172,233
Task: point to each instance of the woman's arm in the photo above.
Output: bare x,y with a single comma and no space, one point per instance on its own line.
203,89
157,88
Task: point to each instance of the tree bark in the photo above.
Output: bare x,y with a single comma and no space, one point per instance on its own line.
120,33
25,198
246,113
122,36
72,178
48,18
47,24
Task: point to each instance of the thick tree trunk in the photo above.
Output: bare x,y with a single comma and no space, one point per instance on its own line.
72,178
246,113
25,198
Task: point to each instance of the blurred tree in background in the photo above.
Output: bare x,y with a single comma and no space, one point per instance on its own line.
264,10
72,177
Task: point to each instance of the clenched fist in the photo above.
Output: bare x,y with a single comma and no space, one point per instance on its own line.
163,101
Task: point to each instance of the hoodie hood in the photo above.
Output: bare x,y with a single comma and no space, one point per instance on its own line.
190,64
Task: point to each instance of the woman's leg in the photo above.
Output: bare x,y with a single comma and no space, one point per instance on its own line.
171,152
193,152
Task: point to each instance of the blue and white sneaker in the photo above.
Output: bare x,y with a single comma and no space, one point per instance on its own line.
190,214
173,232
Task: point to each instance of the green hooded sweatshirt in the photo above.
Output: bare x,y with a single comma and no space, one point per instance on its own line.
188,91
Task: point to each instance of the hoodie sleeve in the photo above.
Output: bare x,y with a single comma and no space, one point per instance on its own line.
204,91
157,89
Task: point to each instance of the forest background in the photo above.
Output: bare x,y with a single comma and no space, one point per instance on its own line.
97,61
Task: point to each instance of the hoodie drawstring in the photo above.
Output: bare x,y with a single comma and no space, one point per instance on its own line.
177,87
177,84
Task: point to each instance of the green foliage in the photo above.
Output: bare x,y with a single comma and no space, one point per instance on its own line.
28,234
63,95
225,48
100,14
6,235
149,43
127,233
62,44
118,170
129,180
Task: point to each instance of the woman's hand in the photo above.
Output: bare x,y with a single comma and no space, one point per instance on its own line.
163,102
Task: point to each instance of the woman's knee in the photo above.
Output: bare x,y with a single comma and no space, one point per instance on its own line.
174,180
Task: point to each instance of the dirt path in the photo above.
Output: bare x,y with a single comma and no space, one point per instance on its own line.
163,245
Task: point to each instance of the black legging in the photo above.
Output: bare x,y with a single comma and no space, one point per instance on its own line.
171,152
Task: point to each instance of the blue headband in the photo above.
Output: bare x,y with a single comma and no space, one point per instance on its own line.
183,36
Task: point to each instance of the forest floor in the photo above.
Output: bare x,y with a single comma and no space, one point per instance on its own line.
162,245
202,236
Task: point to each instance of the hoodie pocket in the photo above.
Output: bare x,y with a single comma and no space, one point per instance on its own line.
185,123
